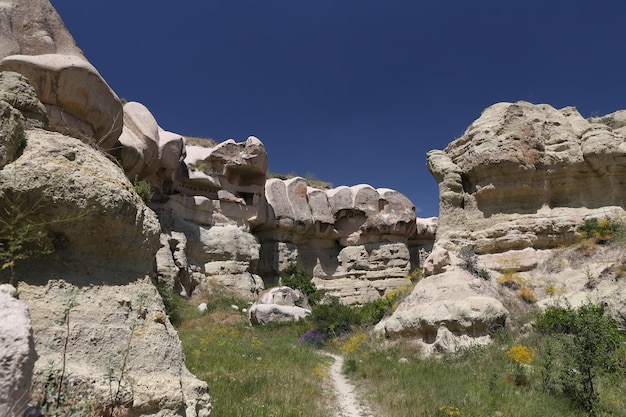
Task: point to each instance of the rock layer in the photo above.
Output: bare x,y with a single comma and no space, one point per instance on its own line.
524,175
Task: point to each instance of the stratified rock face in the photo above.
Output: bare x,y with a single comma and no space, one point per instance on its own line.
33,27
524,175
17,355
357,242
217,196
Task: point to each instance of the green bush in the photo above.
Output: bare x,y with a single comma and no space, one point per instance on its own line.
580,346
334,318
298,279
143,189
602,230
372,313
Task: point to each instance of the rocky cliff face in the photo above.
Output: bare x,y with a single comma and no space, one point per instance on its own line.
70,150
58,119
515,189
525,175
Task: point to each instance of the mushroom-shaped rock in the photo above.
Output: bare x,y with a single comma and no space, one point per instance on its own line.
79,102
147,151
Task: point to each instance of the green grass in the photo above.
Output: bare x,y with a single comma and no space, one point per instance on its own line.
479,381
254,371
263,371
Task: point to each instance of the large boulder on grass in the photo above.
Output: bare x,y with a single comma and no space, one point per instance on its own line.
279,304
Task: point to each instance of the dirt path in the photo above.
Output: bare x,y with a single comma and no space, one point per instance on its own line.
347,401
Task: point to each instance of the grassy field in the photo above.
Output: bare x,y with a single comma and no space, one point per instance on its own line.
254,371
264,371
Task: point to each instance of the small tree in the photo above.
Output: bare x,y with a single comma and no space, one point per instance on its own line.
580,346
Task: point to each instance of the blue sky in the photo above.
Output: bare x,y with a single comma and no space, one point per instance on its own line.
351,91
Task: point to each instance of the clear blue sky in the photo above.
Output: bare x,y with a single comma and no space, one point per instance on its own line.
352,91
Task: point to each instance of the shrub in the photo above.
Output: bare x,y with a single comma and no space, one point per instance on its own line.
143,189
581,344
373,312
601,230
334,318
298,279
469,262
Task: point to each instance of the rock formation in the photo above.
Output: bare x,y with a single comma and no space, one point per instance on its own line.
57,118
17,354
515,189
525,175
357,242
279,304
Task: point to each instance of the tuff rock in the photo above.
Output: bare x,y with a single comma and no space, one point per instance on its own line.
17,354
447,312
525,176
104,239
33,27
78,101
514,191
279,304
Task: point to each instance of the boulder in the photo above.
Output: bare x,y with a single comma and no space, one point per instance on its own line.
78,101
91,208
279,304
114,329
447,312
33,27
284,296
17,355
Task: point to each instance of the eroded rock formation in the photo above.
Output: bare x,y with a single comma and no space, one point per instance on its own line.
58,119
357,242
515,189
525,175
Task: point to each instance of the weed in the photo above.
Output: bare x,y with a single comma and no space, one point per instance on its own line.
510,279
448,410
143,189
527,294
522,356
